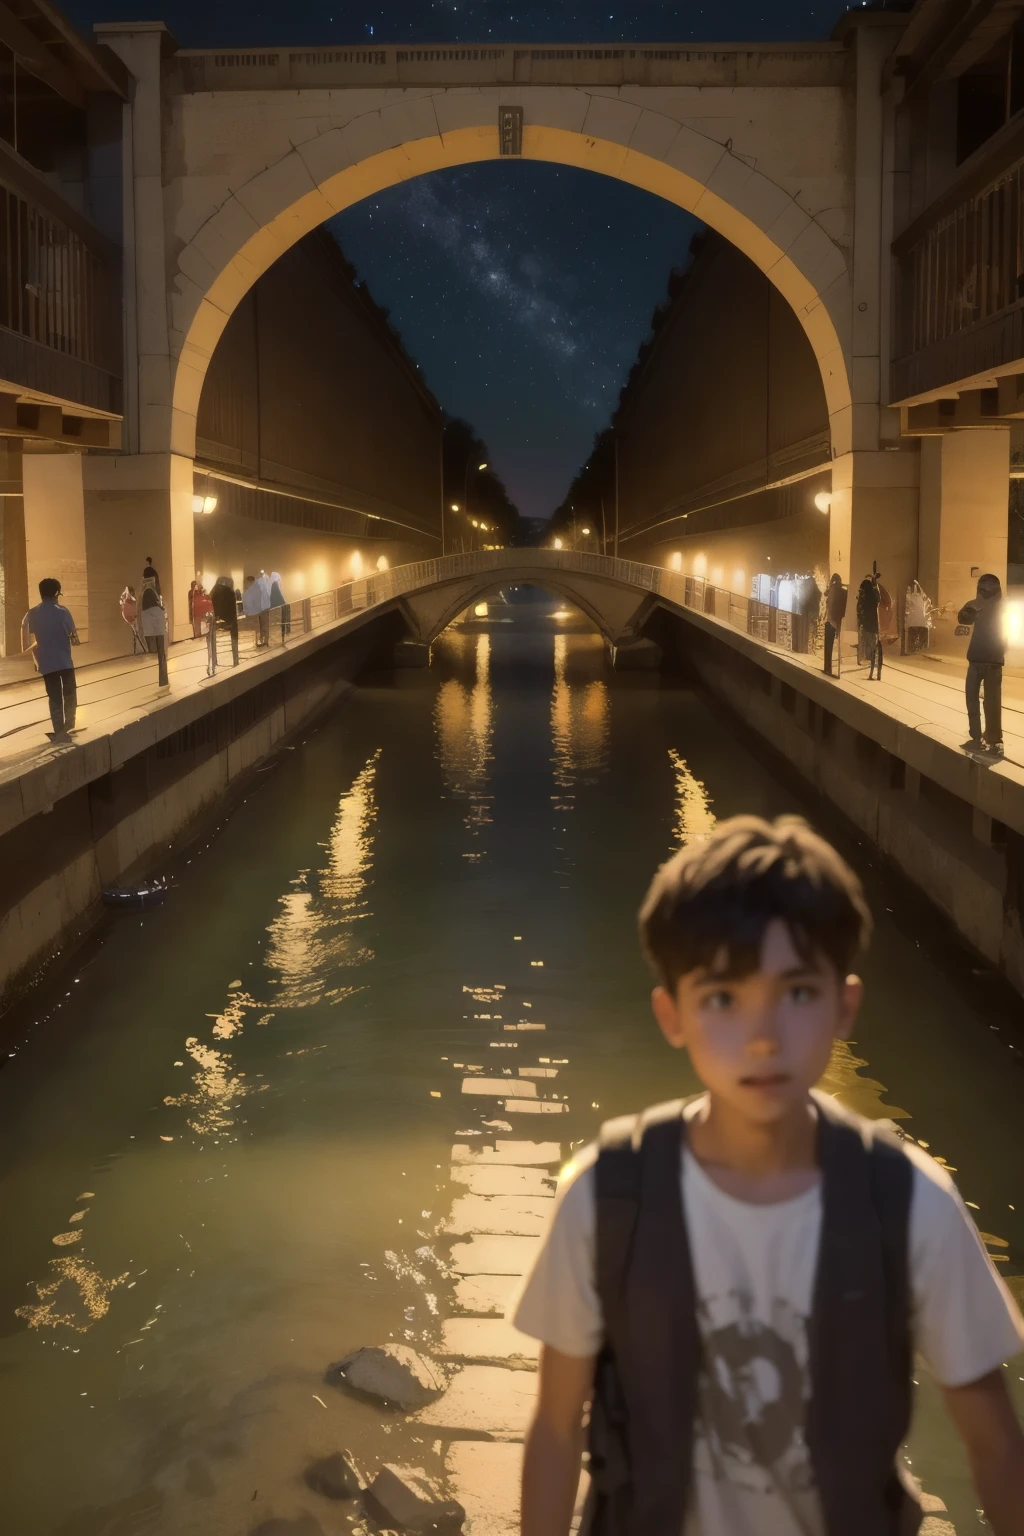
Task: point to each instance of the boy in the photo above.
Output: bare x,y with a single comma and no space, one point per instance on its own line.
49,632
737,1284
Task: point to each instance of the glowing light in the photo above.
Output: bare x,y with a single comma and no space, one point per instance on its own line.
1013,623
475,523
739,579
694,818
585,532
823,501
455,506
206,504
675,561
355,563
558,543
382,563
481,466
481,610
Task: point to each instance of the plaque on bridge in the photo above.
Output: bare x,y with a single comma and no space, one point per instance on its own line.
510,130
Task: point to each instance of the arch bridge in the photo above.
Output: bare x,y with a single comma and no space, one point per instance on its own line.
237,154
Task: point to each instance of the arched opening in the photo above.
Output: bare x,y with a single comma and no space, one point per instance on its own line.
321,178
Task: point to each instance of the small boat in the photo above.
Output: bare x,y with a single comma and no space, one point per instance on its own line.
137,898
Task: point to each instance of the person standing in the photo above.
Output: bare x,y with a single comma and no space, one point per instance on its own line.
277,601
869,646
225,611
986,654
154,624
835,612
917,618
49,632
152,573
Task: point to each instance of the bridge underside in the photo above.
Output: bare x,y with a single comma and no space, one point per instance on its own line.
616,611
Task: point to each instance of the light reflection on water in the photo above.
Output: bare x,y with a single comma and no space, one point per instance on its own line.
258,1093
579,727
464,726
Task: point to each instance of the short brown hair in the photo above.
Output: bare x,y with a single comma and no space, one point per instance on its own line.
709,906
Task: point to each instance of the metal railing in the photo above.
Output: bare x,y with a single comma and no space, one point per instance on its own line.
961,273
56,288
773,625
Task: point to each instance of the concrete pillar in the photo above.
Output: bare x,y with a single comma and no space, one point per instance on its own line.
965,480
13,575
147,366
873,518
55,529
138,505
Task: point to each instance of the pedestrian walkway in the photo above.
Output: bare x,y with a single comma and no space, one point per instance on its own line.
925,691
110,694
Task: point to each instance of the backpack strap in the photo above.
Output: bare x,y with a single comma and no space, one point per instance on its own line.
618,1172
860,1336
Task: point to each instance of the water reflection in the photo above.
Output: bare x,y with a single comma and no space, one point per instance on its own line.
693,817
579,729
311,937
464,729
75,1296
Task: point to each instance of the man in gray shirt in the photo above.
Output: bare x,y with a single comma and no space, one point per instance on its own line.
49,631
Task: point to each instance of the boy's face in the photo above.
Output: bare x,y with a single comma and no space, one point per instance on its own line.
759,1042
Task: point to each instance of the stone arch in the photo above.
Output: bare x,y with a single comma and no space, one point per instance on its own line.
342,165
615,609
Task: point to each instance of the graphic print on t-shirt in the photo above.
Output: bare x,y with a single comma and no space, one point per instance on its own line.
753,1393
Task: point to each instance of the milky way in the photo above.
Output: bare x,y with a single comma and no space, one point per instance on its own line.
523,297
522,291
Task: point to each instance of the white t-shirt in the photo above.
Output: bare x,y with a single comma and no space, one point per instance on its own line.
754,1269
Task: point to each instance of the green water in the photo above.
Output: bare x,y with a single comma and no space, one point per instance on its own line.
225,1134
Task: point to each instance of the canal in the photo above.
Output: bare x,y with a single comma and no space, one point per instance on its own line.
226,1132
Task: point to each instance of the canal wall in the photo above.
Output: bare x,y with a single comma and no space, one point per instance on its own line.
953,826
107,811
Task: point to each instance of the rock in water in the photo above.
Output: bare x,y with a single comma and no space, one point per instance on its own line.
415,1502
393,1372
333,1476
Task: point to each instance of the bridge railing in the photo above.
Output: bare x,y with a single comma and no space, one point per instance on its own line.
761,620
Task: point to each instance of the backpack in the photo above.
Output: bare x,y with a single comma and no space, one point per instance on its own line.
645,1387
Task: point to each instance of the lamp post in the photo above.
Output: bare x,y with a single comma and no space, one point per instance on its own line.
465,489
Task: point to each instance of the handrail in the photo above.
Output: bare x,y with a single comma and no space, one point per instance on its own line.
790,630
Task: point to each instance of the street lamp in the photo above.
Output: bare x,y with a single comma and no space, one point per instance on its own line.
465,489
823,501
558,543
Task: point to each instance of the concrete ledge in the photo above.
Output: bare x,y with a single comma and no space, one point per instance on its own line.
996,789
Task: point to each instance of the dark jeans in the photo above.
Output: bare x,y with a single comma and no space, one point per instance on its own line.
160,646
985,676
62,692
830,640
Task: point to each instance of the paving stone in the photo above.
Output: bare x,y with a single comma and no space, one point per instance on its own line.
484,1476
535,1106
486,1338
484,1400
494,1255
498,1180
506,1215
486,1295
499,1087
522,1154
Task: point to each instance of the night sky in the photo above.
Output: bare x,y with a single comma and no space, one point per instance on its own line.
522,290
